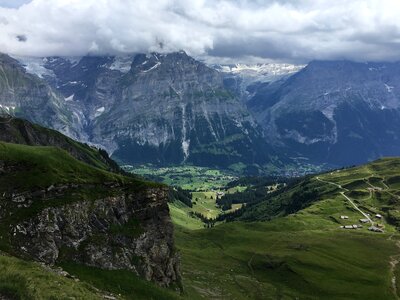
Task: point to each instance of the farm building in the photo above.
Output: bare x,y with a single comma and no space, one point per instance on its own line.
375,229
349,227
344,217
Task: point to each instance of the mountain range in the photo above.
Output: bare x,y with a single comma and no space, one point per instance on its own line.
172,109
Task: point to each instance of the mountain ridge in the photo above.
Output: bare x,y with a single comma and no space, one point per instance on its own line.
167,108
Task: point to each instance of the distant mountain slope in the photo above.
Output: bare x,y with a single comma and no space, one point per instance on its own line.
27,96
160,108
246,79
337,112
157,108
171,109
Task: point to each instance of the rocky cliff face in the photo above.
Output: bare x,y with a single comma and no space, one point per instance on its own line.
340,112
130,231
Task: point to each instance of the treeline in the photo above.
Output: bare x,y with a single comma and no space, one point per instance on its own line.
258,194
208,223
250,195
179,194
255,181
257,190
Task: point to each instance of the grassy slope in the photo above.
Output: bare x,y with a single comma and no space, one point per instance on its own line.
44,166
21,279
28,280
296,256
120,282
20,131
306,254
180,216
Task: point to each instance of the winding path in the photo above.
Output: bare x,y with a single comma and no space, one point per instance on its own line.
348,198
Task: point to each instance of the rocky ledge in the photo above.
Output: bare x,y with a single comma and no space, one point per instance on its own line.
128,230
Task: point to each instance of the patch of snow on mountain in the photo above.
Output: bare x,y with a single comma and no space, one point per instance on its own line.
99,111
152,68
35,66
261,72
73,60
70,98
389,88
122,64
7,108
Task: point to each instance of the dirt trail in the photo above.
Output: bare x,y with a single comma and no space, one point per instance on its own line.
348,199
357,208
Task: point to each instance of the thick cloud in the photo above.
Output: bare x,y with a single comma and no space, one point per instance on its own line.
285,30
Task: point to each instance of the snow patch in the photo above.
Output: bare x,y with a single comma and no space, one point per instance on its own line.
70,98
389,88
35,66
7,108
122,64
261,72
152,68
73,60
99,111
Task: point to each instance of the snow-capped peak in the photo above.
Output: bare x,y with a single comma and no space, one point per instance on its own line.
261,72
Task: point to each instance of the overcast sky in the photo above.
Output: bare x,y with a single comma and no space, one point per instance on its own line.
236,30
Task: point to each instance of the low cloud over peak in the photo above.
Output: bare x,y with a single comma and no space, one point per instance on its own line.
284,30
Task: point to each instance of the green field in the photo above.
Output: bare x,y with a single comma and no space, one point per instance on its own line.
204,203
181,217
187,177
28,280
204,183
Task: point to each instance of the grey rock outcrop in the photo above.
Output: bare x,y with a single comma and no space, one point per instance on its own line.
131,231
